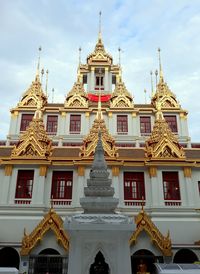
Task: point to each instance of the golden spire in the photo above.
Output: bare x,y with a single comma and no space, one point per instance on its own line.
163,144
47,74
38,65
99,35
152,92
156,74
119,50
160,66
79,55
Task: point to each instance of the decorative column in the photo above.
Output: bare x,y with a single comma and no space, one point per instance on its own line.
5,184
187,171
156,188
38,186
106,83
92,80
78,186
115,180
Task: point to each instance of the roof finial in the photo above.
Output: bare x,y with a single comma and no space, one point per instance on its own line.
145,96
80,49
42,74
99,36
53,95
47,73
38,65
156,74
160,66
119,50
151,73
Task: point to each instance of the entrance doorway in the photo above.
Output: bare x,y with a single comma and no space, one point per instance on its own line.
143,260
185,256
9,257
99,266
49,261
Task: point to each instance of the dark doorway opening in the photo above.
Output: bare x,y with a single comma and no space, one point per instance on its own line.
9,257
99,266
49,261
143,261
185,256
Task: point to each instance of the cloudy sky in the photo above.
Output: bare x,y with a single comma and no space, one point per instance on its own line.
138,27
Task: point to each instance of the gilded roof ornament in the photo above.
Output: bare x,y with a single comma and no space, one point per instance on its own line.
121,98
163,93
51,221
34,92
144,223
99,54
91,140
77,97
163,143
34,142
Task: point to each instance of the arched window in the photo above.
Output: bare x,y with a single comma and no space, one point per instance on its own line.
9,257
185,256
99,266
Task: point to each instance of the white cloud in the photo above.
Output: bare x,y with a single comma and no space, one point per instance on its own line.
138,27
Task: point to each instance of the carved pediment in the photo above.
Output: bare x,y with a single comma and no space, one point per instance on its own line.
34,142
121,98
77,96
52,221
144,223
163,143
91,140
33,94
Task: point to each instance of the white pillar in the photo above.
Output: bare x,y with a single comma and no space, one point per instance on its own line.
92,80
38,186
156,188
5,184
189,187
106,83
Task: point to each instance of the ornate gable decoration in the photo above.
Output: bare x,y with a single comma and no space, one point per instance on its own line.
91,140
121,98
164,96
163,143
77,97
143,222
99,54
34,142
51,221
33,94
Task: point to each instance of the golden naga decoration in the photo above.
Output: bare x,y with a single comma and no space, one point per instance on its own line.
144,222
163,94
77,97
34,142
163,143
91,140
52,221
121,98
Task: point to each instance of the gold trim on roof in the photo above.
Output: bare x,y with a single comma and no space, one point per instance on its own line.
33,94
52,221
34,142
164,96
144,222
90,141
99,54
163,143
77,97
121,98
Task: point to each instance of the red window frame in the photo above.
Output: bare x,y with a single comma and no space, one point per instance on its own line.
122,124
172,122
145,125
171,187
25,121
75,123
134,187
62,183
52,124
24,186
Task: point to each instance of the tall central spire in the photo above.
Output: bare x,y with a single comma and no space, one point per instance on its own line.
99,35
160,66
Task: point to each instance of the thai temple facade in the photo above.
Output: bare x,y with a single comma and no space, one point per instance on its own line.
46,161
